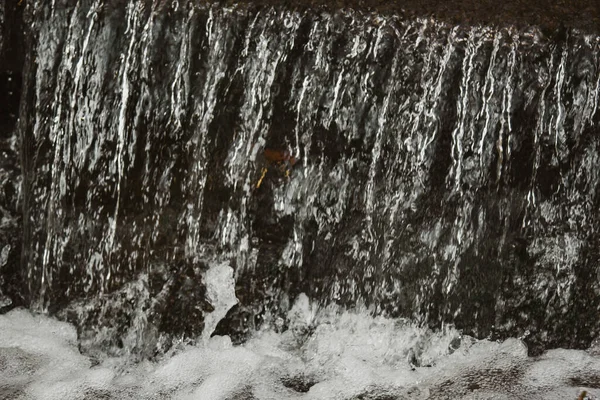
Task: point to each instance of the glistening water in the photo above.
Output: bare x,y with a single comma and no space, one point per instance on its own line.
331,354
269,202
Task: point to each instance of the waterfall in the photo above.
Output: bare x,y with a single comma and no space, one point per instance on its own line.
439,172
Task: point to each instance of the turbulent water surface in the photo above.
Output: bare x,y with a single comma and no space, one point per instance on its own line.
325,355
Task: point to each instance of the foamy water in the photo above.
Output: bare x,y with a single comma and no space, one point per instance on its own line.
326,354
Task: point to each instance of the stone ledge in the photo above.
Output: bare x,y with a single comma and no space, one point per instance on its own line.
547,14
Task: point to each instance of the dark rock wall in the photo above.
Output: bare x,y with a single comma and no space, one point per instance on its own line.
11,64
442,172
549,15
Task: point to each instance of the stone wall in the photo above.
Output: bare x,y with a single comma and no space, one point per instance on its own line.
11,64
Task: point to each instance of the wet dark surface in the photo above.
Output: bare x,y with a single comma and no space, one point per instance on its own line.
12,56
549,14
447,172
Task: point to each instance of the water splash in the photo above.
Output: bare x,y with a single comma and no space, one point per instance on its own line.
221,294
343,355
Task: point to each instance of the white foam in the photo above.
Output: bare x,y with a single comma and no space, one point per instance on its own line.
220,292
326,354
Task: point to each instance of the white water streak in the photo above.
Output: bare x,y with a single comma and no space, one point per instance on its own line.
132,25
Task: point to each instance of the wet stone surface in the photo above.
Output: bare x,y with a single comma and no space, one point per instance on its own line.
438,169
12,56
548,14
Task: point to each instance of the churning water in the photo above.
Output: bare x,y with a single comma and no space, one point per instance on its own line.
324,355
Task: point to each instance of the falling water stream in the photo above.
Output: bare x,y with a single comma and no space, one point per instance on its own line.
429,230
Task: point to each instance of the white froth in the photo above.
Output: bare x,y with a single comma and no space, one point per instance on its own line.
325,355
220,293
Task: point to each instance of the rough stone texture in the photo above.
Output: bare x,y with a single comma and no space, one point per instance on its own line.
11,64
548,14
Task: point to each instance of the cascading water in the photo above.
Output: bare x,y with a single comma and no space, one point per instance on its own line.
335,160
